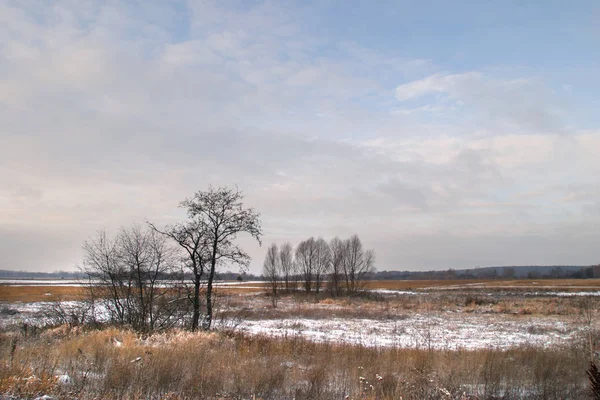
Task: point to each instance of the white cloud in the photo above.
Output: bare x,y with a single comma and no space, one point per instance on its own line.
436,83
109,117
521,104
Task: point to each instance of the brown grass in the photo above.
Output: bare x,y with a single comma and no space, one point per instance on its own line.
27,294
34,293
223,365
486,283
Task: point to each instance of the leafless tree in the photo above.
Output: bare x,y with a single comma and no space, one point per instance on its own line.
305,262
322,262
338,253
107,281
124,272
286,263
271,268
357,263
220,215
193,239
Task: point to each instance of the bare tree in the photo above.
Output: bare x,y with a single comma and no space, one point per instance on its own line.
322,262
124,273
194,241
221,216
305,262
147,258
286,263
271,271
338,253
357,263
106,278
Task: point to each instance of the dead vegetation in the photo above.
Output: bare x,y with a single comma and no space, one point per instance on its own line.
85,363
34,293
118,364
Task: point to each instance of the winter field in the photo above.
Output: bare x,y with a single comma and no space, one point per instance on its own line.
423,339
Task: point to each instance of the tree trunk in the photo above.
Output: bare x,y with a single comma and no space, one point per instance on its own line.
196,303
207,322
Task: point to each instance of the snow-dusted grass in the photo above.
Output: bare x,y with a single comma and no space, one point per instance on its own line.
398,319
119,364
433,331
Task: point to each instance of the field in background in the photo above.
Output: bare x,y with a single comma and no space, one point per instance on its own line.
28,294
27,291
486,283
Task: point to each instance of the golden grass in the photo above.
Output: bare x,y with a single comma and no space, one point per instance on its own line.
27,294
118,364
34,293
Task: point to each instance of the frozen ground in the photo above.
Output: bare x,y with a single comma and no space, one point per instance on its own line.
436,330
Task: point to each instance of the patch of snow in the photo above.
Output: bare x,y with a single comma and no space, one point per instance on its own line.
446,331
65,379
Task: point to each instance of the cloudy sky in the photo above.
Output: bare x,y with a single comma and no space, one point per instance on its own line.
446,134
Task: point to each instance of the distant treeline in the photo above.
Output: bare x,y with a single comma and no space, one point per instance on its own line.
4,273
504,272
8,274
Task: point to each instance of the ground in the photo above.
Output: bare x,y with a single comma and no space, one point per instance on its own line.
518,324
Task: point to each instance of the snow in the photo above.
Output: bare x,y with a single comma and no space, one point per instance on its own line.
65,379
438,331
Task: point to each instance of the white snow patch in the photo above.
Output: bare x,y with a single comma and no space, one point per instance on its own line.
448,331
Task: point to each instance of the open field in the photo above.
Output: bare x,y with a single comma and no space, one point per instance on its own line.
423,339
40,290
118,364
21,292
548,284
35,293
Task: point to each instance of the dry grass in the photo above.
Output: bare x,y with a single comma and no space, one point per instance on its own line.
385,307
562,284
177,364
28,294
417,284
34,293
227,365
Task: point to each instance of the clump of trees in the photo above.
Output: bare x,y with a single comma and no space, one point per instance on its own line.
125,272
339,266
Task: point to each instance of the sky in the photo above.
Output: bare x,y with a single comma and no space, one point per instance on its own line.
445,134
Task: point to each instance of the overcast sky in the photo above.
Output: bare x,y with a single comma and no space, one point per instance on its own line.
446,134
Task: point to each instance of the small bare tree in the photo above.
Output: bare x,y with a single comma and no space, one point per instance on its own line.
337,262
271,267
305,262
286,264
106,279
357,264
124,272
322,262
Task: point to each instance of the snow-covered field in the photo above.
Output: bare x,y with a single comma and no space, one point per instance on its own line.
431,331
435,330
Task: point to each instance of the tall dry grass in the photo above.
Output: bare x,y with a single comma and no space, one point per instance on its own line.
118,364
